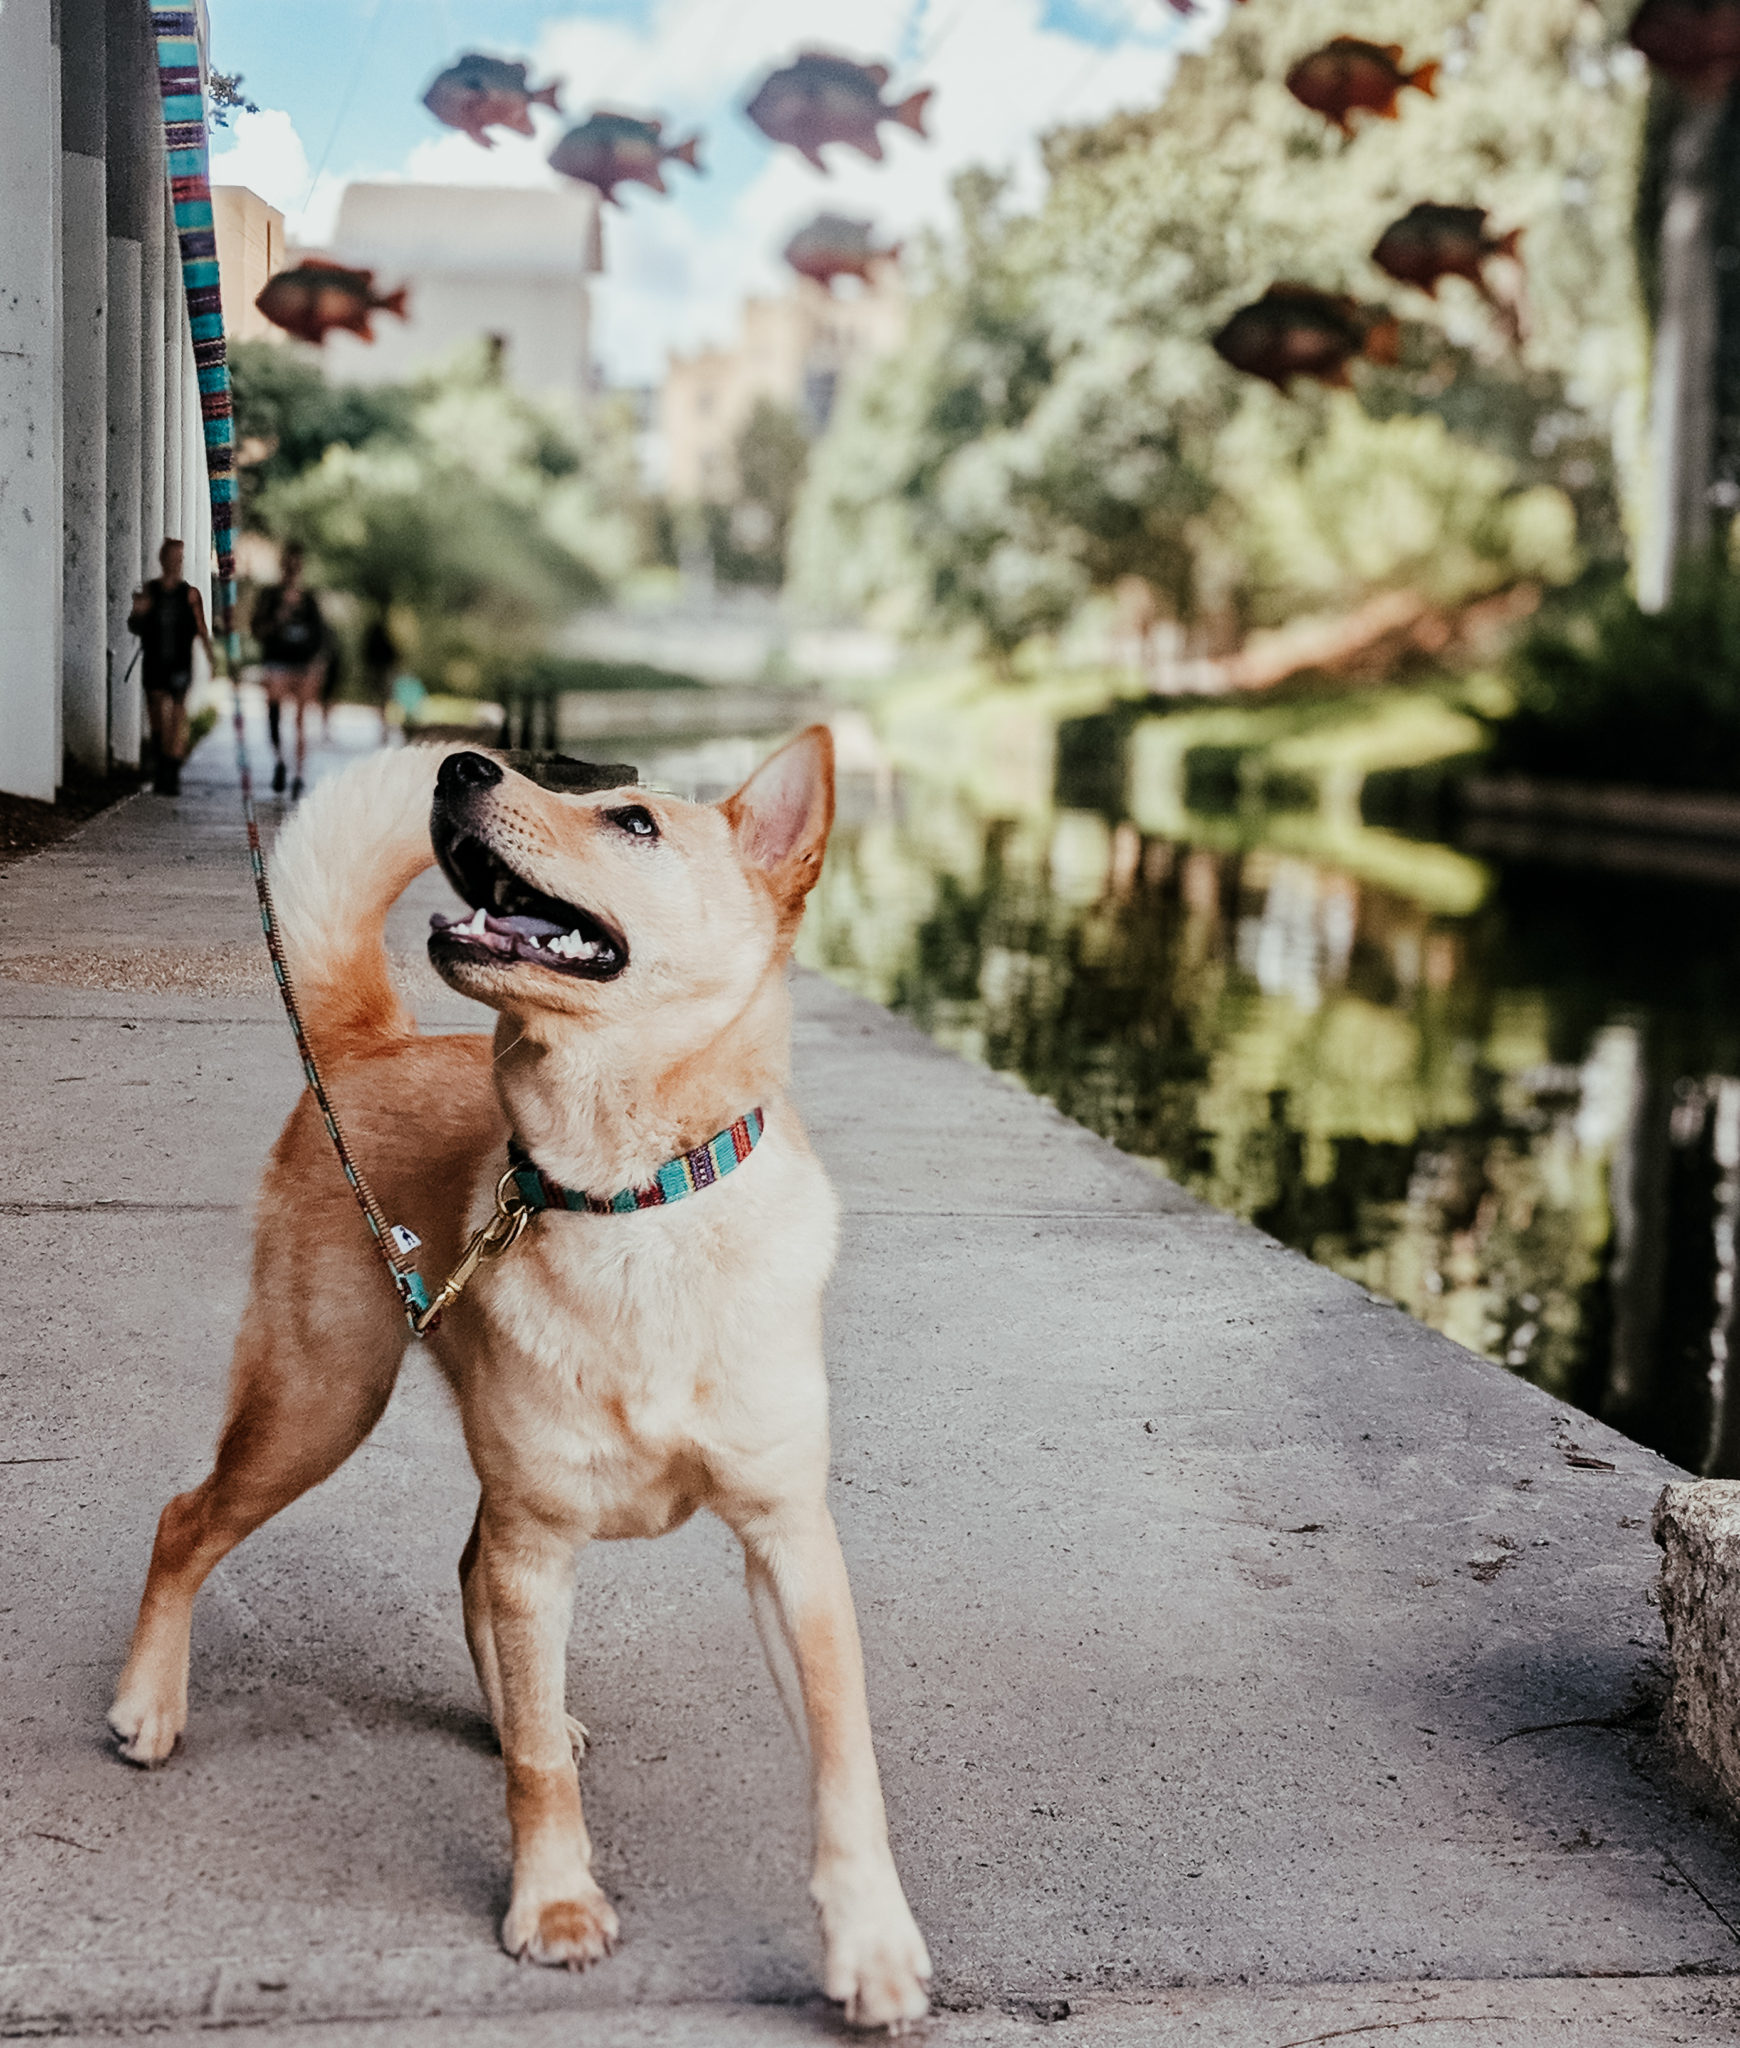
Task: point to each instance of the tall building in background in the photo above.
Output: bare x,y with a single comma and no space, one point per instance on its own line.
486,263
794,350
250,245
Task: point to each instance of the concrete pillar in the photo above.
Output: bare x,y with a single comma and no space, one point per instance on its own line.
174,379
131,100
151,367
1682,397
59,281
125,710
30,517
84,382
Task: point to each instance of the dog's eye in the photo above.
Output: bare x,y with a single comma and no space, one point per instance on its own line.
635,820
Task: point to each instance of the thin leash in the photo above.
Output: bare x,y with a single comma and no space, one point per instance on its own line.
393,1241
522,1192
187,142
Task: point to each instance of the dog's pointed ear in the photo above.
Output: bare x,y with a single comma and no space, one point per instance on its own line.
782,815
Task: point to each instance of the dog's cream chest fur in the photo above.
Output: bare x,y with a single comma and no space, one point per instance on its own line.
623,1393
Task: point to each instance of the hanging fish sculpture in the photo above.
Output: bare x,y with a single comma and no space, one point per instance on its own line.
1347,75
1294,330
1184,6
833,247
608,150
315,297
1430,243
822,99
479,93
1697,47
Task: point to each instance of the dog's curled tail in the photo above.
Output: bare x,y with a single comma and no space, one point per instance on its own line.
336,869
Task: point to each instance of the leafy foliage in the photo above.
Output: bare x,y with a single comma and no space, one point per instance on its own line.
1057,420
1621,695
745,540
224,98
288,415
473,517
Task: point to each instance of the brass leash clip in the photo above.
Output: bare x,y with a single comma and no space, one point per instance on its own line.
498,1235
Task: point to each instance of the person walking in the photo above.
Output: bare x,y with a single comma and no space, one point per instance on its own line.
380,661
168,617
287,623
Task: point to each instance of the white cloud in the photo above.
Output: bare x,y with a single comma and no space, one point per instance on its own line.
453,159
265,154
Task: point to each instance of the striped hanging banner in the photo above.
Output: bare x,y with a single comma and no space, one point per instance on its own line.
176,28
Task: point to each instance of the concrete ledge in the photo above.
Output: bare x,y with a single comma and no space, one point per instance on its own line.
1641,2012
1697,1524
1694,814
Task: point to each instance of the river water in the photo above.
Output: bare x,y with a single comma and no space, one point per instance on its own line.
1503,1091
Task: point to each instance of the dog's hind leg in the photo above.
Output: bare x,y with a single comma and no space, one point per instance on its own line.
301,1401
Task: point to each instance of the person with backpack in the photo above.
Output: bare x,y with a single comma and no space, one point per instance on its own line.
287,623
168,617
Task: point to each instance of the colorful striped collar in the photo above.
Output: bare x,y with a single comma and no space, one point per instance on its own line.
687,1174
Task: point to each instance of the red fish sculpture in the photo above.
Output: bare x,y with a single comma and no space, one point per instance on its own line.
1430,243
479,93
615,149
1294,330
832,247
317,296
1697,47
1347,75
822,99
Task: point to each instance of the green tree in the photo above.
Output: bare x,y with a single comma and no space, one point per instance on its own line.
478,519
1058,419
747,538
288,415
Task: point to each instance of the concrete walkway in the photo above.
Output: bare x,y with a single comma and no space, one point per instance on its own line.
1226,1629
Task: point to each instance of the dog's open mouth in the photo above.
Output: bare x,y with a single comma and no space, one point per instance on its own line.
511,921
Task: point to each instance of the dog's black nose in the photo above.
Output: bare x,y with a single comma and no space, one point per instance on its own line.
463,772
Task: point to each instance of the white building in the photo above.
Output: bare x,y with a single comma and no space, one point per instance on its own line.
479,262
795,350
251,251
101,440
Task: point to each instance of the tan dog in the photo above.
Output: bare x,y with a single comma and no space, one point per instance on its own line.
613,1372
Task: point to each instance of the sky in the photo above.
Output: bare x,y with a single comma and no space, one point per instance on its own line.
339,84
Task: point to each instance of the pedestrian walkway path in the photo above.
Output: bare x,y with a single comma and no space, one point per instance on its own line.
1225,1627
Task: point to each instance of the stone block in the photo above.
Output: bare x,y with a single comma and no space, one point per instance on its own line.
1697,1524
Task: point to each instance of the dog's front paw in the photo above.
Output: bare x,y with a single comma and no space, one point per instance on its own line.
146,1730
563,1933
877,1965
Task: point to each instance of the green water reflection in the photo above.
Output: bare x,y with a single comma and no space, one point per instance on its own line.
1505,1095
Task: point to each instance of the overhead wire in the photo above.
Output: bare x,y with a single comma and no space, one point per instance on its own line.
929,45
370,20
